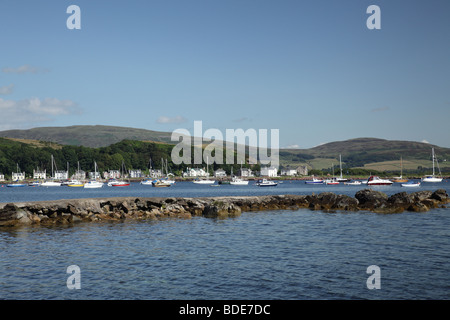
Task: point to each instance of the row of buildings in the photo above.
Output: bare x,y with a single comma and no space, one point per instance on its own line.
80,175
133,174
246,172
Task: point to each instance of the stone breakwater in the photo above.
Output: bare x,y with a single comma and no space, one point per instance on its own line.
110,209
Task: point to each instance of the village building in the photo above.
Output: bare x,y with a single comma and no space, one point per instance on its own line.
269,171
39,174
220,173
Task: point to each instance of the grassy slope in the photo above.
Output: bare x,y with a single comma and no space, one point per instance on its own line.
369,153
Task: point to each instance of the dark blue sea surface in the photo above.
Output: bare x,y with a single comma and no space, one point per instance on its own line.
288,255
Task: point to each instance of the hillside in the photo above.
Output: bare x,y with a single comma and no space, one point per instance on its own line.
88,136
369,153
366,153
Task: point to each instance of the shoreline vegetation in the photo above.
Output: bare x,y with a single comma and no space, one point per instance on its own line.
67,212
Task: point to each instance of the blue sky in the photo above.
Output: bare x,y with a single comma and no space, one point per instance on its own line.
311,69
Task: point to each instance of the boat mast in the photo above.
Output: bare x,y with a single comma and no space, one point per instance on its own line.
432,156
340,164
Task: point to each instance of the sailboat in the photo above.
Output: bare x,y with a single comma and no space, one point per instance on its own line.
119,183
400,179
238,181
333,180
17,184
52,182
149,181
93,183
433,178
341,179
204,181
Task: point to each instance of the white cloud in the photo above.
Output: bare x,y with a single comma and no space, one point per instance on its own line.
26,68
176,119
31,111
425,141
7,89
293,146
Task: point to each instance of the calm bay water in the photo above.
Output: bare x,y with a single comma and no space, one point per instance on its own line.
287,255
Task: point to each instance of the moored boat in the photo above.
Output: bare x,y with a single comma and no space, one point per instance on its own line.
204,181
161,183
51,183
433,177
314,181
353,183
238,181
266,183
75,183
411,184
377,181
93,184
332,181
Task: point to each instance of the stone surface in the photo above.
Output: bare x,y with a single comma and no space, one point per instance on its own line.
99,209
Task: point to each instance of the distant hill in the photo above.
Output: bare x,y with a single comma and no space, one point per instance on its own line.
369,153
361,152
88,136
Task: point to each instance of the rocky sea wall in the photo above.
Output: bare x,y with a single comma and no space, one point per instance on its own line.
116,209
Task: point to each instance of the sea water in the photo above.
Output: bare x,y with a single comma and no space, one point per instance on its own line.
269,255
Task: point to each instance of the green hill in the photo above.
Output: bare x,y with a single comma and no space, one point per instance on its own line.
364,152
88,136
108,145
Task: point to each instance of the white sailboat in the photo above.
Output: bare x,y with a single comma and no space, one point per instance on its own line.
433,178
341,179
119,183
238,181
52,182
205,181
93,183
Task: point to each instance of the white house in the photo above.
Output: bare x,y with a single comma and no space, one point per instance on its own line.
288,172
111,174
269,171
220,173
61,175
2,177
39,174
79,175
94,175
245,172
135,173
18,176
195,172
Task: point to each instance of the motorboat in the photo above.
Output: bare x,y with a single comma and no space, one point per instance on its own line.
238,181
93,184
314,181
147,182
353,183
377,181
161,183
411,184
51,183
34,184
331,181
75,183
204,181
118,183
266,183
